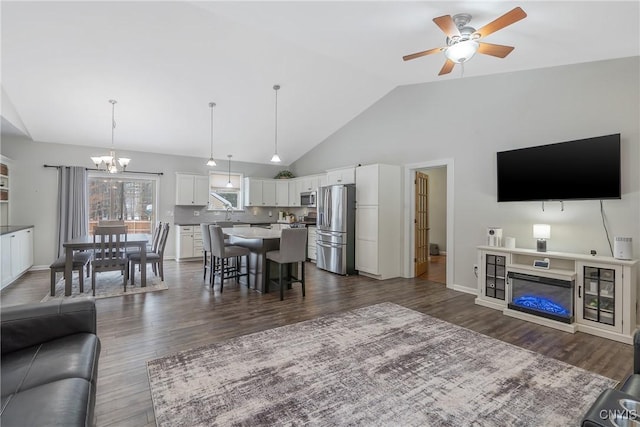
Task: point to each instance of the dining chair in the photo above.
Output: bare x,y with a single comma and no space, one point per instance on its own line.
109,243
110,222
155,257
151,247
222,253
293,244
81,260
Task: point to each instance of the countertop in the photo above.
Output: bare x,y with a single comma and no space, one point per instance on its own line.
248,222
6,229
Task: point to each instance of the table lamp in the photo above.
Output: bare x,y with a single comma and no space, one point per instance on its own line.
541,232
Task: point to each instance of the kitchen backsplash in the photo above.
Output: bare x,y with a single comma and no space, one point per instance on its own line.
186,214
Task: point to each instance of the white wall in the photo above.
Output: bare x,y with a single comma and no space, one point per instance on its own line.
470,119
33,197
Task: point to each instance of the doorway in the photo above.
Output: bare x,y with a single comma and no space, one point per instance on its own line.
429,222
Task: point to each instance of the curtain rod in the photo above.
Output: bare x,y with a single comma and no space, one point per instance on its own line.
101,170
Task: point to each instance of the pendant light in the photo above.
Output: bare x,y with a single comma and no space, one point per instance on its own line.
229,184
110,162
276,158
211,162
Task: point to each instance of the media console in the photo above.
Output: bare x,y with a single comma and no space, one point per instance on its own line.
572,292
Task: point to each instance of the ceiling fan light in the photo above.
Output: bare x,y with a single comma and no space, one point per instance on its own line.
462,51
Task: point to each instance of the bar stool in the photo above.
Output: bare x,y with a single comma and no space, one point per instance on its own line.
221,253
293,244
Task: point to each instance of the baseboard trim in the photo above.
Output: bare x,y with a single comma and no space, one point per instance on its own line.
465,289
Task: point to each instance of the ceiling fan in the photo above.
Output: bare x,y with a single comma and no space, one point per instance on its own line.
463,40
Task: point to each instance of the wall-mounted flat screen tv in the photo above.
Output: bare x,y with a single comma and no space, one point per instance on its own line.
584,169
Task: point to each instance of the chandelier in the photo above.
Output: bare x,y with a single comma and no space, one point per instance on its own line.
110,162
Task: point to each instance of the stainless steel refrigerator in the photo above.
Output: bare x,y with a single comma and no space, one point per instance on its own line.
336,229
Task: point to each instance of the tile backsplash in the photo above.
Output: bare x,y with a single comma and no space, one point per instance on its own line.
200,214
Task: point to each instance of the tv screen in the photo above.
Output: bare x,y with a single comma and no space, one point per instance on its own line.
583,169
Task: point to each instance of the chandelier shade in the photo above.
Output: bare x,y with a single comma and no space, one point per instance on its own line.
110,162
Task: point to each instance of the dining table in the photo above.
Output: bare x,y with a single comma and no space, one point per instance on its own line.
85,242
259,241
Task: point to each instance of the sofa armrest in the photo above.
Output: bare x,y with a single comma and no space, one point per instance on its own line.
636,352
31,324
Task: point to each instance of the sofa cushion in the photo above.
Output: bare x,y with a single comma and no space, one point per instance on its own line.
73,356
65,402
632,386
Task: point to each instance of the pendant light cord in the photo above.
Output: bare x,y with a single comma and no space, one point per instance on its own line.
113,120
276,87
212,105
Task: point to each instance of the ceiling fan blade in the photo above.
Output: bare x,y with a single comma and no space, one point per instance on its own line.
447,67
447,25
508,18
497,50
423,53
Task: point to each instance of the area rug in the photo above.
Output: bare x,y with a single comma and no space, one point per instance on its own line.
108,284
382,365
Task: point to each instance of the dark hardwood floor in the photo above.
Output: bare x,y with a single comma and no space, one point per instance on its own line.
136,328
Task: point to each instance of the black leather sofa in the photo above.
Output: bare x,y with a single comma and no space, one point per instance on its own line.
49,364
621,406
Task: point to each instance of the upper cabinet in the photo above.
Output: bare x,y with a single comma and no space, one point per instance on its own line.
192,190
260,192
295,188
282,192
341,176
4,194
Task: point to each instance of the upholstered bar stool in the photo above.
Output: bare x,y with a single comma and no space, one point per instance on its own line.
206,249
293,244
221,253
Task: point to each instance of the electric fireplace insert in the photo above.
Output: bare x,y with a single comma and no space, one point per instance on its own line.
542,296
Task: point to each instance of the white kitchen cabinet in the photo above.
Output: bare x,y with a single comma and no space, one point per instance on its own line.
311,243
323,180
17,254
282,192
188,242
295,186
192,189
260,192
341,176
378,219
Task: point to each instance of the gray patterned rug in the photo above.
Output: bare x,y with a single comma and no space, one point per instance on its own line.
381,365
108,284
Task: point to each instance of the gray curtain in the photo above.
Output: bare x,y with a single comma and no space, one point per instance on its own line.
72,204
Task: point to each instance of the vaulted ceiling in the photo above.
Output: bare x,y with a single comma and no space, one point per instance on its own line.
165,61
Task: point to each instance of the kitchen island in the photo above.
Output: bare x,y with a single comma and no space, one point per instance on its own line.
259,241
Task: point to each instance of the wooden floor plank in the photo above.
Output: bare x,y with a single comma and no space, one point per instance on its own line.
136,328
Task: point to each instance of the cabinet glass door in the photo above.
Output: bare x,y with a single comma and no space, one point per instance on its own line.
599,295
495,276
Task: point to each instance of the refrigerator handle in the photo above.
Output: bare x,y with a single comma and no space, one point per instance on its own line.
329,207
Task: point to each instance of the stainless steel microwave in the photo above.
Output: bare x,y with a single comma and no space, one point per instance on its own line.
308,199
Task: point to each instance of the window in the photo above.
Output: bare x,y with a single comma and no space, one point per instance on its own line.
218,184
122,197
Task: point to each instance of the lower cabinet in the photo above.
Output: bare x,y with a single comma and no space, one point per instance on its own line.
188,242
599,296
311,243
17,254
492,277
